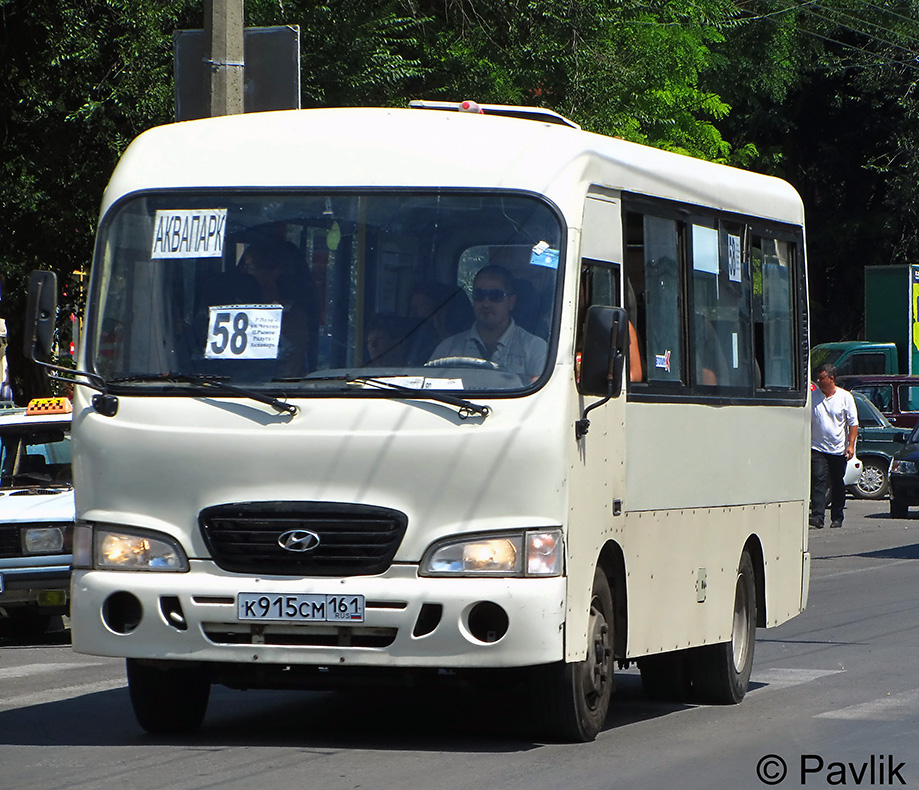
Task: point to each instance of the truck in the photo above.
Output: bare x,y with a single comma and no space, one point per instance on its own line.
891,344
856,357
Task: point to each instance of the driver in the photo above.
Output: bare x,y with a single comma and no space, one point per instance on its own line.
495,336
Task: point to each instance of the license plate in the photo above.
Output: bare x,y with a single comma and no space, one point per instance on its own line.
301,608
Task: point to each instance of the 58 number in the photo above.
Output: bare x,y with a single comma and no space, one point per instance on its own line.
223,338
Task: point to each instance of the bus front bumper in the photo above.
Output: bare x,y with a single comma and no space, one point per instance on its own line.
409,621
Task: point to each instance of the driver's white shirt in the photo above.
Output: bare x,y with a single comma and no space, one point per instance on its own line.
518,351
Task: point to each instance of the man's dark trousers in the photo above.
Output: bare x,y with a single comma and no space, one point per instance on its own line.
827,475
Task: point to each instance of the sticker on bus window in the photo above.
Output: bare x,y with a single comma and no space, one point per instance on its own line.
189,233
244,331
544,255
734,258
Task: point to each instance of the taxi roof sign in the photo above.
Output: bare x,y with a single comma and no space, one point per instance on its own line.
49,406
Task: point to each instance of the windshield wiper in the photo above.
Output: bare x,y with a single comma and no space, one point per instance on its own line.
465,407
217,383
39,479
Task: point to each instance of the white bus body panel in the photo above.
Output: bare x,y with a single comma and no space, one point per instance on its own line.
412,148
684,475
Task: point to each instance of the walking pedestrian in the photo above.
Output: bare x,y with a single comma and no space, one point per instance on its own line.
834,428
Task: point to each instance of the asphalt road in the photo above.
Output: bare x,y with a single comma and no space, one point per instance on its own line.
834,700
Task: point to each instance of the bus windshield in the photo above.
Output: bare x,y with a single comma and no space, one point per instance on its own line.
298,293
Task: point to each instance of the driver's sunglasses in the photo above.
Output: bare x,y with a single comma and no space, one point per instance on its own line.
491,294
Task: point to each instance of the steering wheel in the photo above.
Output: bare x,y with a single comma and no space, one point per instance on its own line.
462,362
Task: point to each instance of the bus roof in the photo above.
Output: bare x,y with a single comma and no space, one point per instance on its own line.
385,148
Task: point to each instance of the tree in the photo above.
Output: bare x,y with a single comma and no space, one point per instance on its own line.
80,78
828,93
624,68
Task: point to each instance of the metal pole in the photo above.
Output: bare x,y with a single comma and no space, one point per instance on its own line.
223,27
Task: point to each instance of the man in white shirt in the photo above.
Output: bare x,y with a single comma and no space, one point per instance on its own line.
495,336
834,428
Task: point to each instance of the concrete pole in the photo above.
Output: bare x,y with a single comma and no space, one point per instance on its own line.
223,28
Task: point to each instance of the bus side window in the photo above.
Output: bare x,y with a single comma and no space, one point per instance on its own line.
772,263
653,295
721,306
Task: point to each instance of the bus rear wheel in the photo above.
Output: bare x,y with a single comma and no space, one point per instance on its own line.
571,700
166,699
721,673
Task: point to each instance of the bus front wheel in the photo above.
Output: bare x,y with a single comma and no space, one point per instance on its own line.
168,700
721,673
571,700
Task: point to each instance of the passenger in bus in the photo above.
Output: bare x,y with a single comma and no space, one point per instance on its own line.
711,362
282,278
386,333
439,310
585,300
494,336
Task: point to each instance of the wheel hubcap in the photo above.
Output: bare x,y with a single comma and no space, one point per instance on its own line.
741,625
871,480
596,667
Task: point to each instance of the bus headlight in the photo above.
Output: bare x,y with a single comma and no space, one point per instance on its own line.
117,549
530,553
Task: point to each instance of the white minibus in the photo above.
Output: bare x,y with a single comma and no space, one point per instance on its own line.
368,393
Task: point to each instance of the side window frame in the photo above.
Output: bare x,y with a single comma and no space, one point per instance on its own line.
726,258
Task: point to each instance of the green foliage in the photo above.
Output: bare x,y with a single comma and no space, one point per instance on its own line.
622,68
827,92
353,52
78,80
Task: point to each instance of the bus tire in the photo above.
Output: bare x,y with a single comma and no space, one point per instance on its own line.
665,676
721,673
571,700
168,700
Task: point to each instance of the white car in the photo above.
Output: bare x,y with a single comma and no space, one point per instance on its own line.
36,512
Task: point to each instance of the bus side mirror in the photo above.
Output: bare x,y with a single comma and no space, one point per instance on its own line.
606,338
41,310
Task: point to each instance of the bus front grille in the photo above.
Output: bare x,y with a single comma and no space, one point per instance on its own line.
302,538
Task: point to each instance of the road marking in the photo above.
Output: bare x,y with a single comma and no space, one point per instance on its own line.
59,694
27,670
894,707
784,678
852,571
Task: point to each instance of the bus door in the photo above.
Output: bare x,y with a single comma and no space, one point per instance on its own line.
597,485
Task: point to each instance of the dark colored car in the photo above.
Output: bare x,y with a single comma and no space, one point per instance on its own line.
878,442
896,397
904,477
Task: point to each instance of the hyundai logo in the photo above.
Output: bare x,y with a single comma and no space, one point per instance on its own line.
298,540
